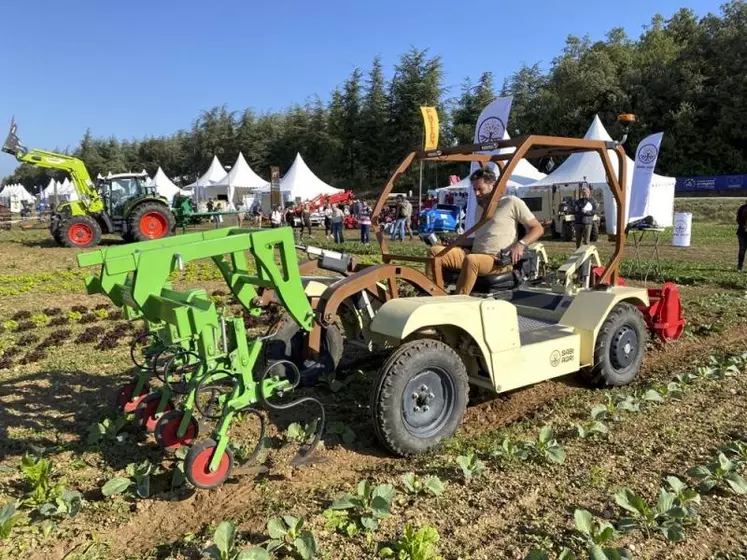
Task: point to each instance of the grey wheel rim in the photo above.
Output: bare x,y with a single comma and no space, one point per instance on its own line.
428,402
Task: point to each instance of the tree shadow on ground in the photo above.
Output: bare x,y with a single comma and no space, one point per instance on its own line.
52,409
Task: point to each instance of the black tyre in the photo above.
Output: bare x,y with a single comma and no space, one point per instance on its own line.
419,397
288,343
594,236
619,349
150,220
568,231
80,232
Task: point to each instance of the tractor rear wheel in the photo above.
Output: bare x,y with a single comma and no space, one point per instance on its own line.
150,220
80,232
419,397
619,349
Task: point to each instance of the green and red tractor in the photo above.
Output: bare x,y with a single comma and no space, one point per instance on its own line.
122,204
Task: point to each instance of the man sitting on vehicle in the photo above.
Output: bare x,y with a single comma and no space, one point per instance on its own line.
480,256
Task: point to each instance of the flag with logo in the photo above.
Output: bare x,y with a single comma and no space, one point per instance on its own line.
643,172
490,127
430,120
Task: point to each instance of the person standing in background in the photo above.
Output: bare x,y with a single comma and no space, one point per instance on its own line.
407,214
305,219
364,220
276,218
336,219
327,220
741,235
585,209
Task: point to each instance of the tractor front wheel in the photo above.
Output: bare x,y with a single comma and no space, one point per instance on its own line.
568,231
197,465
619,349
150,221
419,397
80,232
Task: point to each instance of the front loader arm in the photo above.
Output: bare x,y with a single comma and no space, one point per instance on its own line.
51,160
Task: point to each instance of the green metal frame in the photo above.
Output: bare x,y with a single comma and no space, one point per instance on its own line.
136,278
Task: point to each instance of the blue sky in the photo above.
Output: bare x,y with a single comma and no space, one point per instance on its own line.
135,68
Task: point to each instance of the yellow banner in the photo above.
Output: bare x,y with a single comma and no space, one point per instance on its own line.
430,119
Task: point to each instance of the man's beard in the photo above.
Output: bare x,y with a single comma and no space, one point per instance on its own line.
482,200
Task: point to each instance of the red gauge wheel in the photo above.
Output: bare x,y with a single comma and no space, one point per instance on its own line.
197,465
125,401
145,414
168,426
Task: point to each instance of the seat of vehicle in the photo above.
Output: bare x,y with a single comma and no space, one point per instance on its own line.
491,283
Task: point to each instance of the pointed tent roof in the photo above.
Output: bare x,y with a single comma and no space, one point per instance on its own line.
242,176
214,174
164,185
301,182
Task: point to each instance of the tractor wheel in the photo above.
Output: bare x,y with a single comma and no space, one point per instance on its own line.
594,237
125,402
419,397
80,232
287,344
568,231
58,236
619,349
151,221
145,413
197,465
168,426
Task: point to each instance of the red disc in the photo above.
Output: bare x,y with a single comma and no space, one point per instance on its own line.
168,429
80,234
153,225
200,468
148,408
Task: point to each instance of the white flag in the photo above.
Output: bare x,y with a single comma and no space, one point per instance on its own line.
490,127
645,161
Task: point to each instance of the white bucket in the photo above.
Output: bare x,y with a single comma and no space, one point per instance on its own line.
681,229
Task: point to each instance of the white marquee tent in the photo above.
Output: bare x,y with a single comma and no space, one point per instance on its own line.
587,166
214,174
65,190
13,195
165,186
240,181
299,183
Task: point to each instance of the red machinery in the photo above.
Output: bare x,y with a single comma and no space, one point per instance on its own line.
664,314
317,203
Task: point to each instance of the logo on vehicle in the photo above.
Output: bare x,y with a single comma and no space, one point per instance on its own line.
52,159
491,129
647,154
555,358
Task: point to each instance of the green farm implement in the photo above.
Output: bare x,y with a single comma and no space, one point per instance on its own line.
205,360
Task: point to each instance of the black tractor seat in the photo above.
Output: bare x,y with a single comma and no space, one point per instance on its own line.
491,283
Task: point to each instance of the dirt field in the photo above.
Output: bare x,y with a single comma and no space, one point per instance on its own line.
58,379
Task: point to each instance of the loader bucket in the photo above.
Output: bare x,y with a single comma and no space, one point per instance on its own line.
12,144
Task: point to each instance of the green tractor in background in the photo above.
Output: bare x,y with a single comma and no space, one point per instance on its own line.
121,204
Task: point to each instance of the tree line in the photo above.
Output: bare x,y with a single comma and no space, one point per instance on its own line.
683,76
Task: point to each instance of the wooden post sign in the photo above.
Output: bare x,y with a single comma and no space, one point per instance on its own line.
275,199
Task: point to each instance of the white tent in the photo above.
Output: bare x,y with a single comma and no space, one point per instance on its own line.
300,183
13,195
214,174
239,181
587,166
164,185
